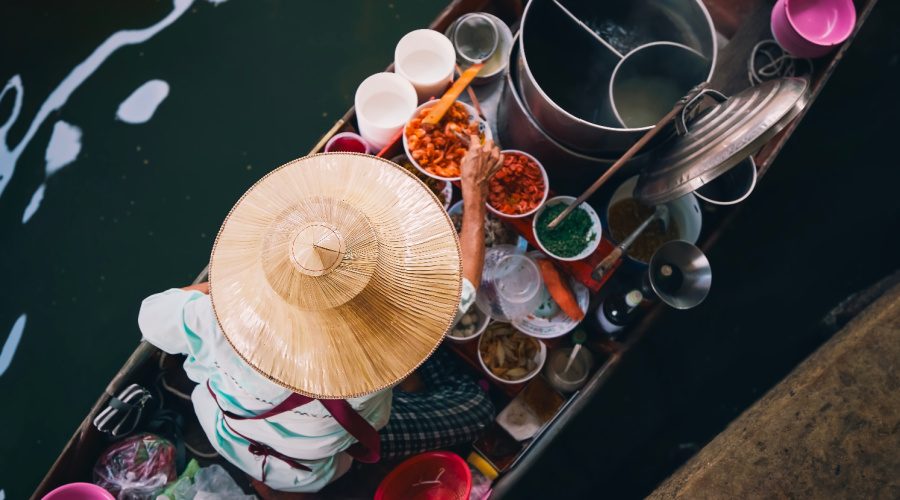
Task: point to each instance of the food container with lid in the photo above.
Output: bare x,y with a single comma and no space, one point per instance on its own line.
510,284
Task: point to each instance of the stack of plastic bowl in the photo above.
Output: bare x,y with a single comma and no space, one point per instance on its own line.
812,28
510,285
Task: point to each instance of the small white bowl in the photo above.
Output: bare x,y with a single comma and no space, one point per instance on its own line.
473,116
480,327
543,198
596,228
539,359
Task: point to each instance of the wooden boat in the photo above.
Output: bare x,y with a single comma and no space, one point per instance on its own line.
744,22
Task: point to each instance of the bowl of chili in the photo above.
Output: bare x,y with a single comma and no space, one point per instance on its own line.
438,151
521,186
575,238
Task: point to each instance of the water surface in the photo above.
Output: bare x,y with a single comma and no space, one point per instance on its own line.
124,152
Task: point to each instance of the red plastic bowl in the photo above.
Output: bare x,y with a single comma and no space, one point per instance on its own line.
438,475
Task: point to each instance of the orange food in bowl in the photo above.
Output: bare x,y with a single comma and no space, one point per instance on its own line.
518,187
438,149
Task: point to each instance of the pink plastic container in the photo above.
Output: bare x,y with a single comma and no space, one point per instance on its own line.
812,28
79,491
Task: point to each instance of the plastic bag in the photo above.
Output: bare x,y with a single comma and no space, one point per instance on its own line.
136,468
210,483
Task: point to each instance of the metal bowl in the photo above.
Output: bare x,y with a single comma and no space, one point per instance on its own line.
568,97
517,129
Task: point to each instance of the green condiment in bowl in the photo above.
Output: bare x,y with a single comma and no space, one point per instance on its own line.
571,237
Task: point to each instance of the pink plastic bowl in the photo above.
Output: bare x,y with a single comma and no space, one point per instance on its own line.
79,491
812,28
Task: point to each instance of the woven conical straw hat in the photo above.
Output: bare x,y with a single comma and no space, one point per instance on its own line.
336,275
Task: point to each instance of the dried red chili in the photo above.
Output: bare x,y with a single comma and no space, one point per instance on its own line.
518,187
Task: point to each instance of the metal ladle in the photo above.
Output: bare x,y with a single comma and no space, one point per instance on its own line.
661,214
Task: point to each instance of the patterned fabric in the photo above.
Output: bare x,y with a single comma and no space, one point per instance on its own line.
183,322
452,410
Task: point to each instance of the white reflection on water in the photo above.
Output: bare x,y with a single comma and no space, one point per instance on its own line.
142,103
35,203
67,137
12,342
64,146
59,96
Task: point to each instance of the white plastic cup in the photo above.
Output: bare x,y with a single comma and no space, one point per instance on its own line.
384,102
426,59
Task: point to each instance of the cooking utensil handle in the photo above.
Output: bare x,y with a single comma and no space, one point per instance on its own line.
606,264
617,165
628,154
473,97
438,110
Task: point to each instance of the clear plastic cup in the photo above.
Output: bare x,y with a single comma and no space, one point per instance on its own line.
510,284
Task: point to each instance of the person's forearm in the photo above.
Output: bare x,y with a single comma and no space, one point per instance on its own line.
471,239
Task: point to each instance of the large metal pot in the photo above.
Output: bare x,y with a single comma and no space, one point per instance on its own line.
569,50
517,129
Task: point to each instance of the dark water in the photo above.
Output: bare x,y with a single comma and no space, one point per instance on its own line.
253,85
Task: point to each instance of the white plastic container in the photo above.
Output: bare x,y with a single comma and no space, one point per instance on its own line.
384,102
596,228
539,359
425,58
480,326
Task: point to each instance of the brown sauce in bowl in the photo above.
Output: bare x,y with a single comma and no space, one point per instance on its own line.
626,215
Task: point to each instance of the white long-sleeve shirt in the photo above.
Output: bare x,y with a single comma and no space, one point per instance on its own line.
183,322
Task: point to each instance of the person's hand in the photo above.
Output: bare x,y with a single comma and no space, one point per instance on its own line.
200,287
478,167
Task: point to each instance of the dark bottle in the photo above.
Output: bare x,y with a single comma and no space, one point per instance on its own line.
643,284
617,310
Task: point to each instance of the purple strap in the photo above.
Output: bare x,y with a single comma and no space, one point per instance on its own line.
367,449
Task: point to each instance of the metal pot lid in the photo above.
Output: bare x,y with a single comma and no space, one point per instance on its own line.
719,138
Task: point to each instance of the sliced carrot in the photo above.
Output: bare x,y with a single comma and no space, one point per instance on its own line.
560,290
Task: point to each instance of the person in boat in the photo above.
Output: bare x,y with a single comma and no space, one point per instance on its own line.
294,443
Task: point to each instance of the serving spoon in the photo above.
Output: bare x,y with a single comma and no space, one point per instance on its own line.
661,213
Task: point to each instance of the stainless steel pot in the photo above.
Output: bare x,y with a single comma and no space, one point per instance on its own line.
569,50
517,129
